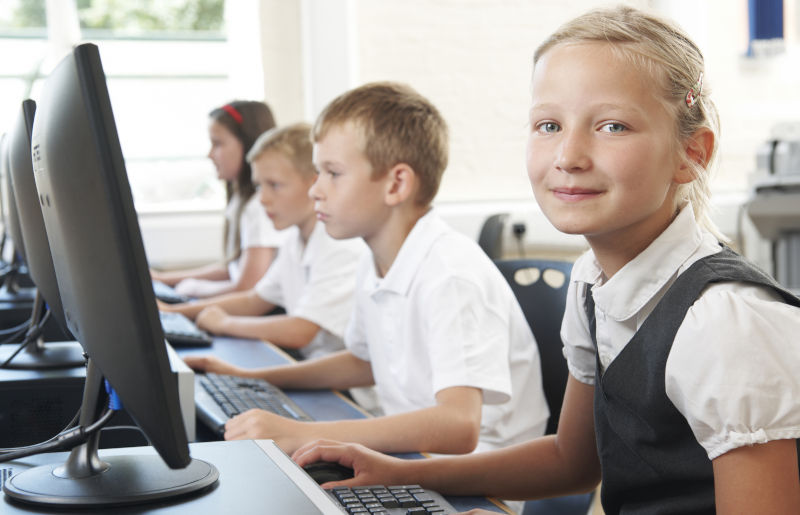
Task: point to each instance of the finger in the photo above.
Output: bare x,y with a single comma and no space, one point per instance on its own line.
345,482
235,428
311,445
196,362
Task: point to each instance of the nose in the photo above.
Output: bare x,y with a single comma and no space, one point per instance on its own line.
263,196
573,152
314,191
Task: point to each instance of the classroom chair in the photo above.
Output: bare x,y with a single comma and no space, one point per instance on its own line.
541,289
490,238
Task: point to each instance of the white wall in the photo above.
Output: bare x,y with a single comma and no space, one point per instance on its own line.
472,58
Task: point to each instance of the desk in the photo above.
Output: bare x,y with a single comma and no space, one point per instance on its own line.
320,404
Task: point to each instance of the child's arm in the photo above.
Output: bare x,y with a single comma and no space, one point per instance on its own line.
338,371
212,272
246,303
761,478
451,426
551,465
284,331
253,262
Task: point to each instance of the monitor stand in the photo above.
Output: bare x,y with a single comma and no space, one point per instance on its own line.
86,480
38,355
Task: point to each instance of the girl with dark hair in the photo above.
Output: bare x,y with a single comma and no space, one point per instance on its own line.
250,239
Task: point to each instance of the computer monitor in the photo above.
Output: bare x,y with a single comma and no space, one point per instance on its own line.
108,300
35,252
3,227
13,217
10,223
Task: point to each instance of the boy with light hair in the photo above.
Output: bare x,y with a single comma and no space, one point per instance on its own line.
435,328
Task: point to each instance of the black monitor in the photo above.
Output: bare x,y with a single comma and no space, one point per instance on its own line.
108,301
11,227
35,253
13,217
3,211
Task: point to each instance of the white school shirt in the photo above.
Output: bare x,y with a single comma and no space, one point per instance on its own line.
255,230
315,281
444,316
733,368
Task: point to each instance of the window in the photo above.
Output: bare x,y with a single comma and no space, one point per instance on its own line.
166,64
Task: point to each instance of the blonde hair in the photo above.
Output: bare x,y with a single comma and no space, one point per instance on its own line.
293,141
662,50
397,125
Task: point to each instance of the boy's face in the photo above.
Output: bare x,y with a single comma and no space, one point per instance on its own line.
282,190
347,199
601,157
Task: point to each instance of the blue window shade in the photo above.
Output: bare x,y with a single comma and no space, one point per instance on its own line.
766,21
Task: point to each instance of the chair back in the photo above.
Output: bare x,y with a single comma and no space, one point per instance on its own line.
541,290
491,237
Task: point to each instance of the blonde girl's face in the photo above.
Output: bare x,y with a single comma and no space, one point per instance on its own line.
601,154
283,190
226,152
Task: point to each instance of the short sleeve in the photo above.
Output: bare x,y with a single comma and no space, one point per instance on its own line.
256,228
269,287
355,337
327,298
468,344
578,350
732,370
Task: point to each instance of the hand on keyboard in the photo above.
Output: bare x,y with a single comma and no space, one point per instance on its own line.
212,319
369,467
255,424
213,364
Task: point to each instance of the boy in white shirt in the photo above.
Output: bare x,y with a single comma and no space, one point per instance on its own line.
436,328
312,277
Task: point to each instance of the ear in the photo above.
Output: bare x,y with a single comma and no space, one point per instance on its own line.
697,149
401,184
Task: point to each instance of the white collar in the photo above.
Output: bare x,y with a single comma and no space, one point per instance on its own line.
411,254
636,283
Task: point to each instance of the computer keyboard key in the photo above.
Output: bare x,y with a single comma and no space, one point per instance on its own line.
390,500
219,398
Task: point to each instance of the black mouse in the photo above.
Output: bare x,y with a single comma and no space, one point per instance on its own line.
325,471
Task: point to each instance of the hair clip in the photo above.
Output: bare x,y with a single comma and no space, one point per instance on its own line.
236,115
694,92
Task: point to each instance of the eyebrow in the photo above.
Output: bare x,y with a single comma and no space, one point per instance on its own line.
606,106
327,162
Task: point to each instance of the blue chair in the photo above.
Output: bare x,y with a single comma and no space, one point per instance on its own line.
541,290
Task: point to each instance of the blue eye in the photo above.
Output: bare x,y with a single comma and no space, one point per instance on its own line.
548,127
613,127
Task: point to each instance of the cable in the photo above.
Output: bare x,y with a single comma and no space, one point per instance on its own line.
67,439
69,426
10,330
32,334
14,354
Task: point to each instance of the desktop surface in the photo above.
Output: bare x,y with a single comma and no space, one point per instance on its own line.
255,477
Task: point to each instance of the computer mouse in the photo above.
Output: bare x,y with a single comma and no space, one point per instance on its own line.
325,471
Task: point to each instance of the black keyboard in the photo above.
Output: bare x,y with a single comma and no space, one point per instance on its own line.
179,331
217,398
390,500
168,294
